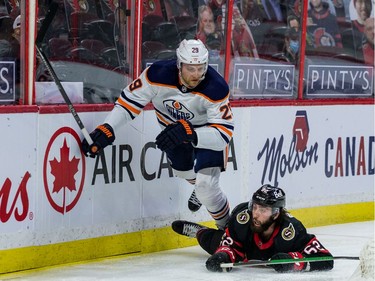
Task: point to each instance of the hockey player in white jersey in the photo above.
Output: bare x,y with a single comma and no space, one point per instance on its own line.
191,102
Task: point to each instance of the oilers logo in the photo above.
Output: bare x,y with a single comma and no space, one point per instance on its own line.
177,110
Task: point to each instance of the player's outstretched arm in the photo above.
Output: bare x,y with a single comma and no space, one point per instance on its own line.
102,136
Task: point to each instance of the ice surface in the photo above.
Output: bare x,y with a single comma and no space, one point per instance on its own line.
188,264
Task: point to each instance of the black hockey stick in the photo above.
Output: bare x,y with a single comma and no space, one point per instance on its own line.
42,32
284,261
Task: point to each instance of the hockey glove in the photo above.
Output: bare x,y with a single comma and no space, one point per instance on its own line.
102,136
175,134
213,262
288,267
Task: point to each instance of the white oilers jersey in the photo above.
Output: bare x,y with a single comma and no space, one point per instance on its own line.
206,106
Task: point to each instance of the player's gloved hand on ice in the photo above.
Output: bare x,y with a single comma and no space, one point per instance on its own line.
288,267
213,262
175,134
102,136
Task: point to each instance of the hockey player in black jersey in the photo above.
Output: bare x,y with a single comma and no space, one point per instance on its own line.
191,103
261,229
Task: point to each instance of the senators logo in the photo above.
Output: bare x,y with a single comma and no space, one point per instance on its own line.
243,217
288,233
323,38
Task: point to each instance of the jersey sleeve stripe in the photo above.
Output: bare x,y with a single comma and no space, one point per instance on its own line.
225,137
165,118
128,106
224,129
162,124
132,116
161,119
136,104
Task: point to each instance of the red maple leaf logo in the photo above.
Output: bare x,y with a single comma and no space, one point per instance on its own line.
64,170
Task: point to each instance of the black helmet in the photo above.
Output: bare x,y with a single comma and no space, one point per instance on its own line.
269,195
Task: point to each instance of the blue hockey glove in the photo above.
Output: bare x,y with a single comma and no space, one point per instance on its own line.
102,136
175,134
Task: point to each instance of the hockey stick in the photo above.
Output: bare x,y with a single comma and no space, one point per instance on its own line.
42,32
284,261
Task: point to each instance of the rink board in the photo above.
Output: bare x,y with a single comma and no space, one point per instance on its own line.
58,206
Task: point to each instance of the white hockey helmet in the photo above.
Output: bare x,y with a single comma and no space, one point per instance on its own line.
17,22
192,52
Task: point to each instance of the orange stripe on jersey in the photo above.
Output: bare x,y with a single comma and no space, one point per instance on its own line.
128,106
161,118
222,128
210,100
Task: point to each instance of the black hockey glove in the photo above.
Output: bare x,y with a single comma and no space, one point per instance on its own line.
102,136
288,267
175,134
213,262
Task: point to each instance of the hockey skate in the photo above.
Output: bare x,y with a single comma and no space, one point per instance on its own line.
193,203
187,228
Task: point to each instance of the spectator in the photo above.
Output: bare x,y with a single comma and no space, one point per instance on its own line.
255,18
368,43
252,13
242,39
331,7
178,8
324,28
217,9
340,10
293,23
206,28
291,45
16,35
296,8
260,229
363,10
